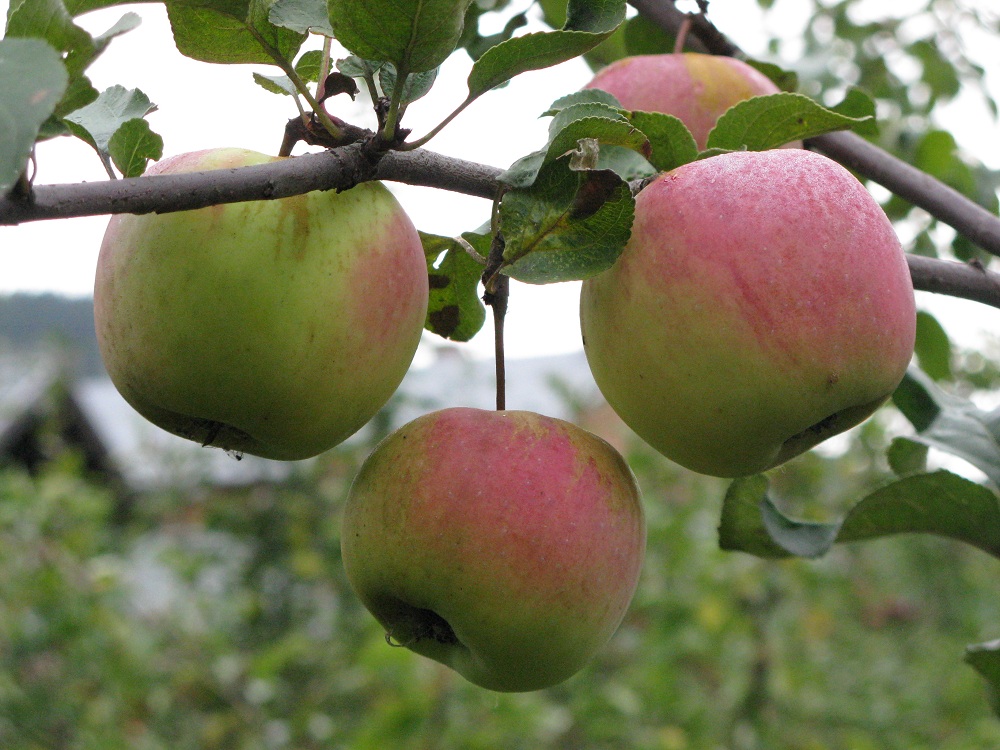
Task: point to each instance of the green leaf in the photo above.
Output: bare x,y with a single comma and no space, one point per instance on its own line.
985,659
476,44
644,37
907,457
765,122
276,84
357,67
589,22
32,82
454,309
671,141
416,86
302,16
584,96
571,124
98,122
940,503
938,71
308,66
626,163
132,145
230,32
859,105
415,35
950,423
933,347
50,20
786,80
741,525
937,154
568,225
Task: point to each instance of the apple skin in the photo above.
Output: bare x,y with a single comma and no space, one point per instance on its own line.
762,304
276,328
695,88
506,545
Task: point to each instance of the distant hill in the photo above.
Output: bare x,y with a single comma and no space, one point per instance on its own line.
28,321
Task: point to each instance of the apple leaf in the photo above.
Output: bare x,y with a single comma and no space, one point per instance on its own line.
571,124
454,309
985,659
859,105
770,121
950,423
414,35
569,225
50,20
907,457
230,31
98,122
588,23
275,84
32,82
671,141
475,43
786,80
939,503
415,86
132,146
626,163
302,16
584,96
933,347
645,37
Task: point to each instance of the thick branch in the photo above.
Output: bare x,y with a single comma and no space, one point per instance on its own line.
335,169
919,188
965,280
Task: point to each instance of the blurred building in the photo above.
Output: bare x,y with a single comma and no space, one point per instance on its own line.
44,410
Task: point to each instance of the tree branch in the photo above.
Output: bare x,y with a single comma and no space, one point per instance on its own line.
336,169
965,280
920,189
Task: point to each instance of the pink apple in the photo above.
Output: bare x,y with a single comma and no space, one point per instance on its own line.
762,304
276,328
506,545
695,88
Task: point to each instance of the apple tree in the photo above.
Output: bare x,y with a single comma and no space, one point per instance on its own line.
859,93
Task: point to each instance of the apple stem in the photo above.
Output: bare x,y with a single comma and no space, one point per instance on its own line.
682,34
497,291
499,296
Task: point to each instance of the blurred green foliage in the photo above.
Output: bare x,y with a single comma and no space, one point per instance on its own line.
223,620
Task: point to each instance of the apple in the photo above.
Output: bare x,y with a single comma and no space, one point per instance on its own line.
695,88
276,328
504,544
761,305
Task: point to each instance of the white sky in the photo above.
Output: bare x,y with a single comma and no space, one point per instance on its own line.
204,106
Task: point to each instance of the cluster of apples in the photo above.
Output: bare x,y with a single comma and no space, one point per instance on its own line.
762,304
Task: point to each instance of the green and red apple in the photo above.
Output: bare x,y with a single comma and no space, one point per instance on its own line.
695,88
504,544
276,328
762,304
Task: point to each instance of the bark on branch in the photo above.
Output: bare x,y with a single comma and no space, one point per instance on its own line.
336,169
